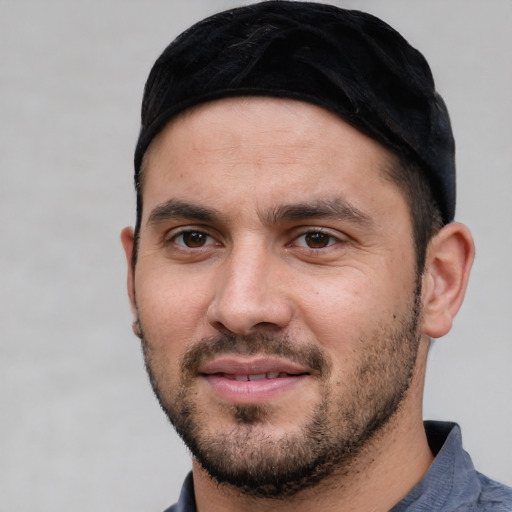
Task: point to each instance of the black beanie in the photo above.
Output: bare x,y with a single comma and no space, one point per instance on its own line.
348,62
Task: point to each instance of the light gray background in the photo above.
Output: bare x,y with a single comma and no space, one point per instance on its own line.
79,427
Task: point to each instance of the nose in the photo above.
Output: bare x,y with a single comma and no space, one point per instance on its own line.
250,295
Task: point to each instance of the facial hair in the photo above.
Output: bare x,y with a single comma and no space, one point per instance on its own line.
245,456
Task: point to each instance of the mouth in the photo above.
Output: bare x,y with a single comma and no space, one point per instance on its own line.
259,376
249,380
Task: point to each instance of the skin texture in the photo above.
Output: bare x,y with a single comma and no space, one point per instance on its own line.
272,243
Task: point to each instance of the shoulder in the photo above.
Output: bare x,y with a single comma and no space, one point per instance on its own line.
494,496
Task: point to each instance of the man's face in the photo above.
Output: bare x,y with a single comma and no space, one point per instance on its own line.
276,290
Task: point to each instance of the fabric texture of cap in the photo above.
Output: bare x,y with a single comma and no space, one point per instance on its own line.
348,62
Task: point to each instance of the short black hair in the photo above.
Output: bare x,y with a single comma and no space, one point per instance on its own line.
424,211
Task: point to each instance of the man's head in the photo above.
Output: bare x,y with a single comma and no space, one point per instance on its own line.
281,289
349,62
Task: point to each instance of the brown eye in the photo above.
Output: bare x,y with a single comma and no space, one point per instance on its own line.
317,240
192,239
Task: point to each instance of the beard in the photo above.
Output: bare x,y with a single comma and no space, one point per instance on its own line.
328,439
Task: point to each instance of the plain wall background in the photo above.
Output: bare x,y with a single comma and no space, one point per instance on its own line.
79,427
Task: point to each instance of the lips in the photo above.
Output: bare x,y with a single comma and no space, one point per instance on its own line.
242,379
246,366
260,376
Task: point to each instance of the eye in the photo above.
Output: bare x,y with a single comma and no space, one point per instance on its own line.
315,240
193,239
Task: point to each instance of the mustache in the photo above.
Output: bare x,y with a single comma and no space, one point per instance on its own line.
207,349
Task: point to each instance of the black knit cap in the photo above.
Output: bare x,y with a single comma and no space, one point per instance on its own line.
348,62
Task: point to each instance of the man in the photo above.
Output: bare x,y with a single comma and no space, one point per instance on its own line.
293,254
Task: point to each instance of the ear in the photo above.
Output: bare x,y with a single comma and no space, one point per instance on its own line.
449,258
127,239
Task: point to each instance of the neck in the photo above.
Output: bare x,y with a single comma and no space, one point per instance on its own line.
388,467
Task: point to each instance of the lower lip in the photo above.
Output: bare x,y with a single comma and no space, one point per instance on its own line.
252,391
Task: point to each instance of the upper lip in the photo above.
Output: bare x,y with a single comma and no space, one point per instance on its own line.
250,365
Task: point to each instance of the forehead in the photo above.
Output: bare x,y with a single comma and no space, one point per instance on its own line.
261,147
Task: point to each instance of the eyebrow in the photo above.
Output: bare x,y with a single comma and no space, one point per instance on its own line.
176,209
337,208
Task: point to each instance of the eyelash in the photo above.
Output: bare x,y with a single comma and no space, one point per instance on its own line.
173,239
325,236
320,233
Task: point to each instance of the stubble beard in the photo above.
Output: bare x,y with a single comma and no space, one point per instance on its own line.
330,438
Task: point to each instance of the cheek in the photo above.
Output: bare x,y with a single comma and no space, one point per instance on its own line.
334,312
172,309
340,313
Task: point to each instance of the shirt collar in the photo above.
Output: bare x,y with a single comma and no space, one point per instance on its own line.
187,500
451,479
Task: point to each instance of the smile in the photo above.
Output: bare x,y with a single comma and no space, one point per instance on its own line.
242,380
253,377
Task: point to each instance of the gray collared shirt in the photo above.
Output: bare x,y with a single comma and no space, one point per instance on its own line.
451,484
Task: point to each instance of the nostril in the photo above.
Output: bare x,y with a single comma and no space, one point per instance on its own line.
220,327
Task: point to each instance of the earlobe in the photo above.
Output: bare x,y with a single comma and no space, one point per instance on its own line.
127,239
449,258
